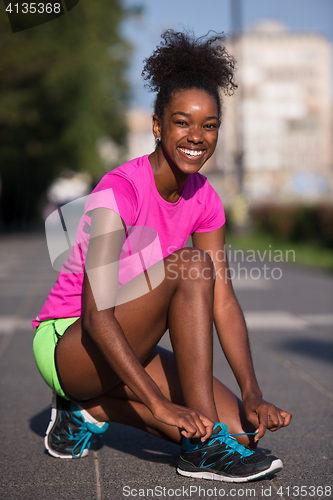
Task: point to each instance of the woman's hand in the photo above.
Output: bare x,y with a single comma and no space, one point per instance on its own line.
264,415
192,423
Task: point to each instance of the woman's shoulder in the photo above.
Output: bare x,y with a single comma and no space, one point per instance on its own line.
120,189
127,178
131,170
210,212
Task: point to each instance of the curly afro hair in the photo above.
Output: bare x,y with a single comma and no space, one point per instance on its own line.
183,62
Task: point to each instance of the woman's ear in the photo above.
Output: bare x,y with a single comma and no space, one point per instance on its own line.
156,127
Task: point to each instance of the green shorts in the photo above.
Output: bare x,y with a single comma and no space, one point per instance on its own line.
47,336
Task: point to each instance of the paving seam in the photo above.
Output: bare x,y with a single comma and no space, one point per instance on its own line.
277,486
291,366
98,482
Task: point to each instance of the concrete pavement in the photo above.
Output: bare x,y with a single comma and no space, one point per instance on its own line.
290,319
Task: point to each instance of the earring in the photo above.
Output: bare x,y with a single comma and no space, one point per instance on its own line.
157,141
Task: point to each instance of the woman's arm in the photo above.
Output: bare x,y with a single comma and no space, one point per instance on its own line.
100,295
232,333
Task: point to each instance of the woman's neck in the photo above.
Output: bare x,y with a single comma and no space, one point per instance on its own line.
169,180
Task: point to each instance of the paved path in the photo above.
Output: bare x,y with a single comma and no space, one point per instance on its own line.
291,327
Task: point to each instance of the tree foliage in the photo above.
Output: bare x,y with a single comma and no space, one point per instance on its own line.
62,86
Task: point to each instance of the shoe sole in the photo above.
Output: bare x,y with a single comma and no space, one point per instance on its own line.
276,466
46,439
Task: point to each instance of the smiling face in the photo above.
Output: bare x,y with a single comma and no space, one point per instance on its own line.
188,129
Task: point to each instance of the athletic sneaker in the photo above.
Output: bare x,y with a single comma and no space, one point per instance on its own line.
222,458
68,434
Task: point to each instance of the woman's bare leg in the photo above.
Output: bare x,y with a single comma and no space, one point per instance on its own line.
183,302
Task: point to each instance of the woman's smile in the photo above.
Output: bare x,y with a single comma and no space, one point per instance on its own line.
193,154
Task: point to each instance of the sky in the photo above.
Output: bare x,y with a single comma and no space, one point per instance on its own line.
204,15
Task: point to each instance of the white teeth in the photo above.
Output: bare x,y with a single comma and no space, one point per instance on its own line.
191,152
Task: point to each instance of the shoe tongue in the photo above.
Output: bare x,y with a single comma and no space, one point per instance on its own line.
220,428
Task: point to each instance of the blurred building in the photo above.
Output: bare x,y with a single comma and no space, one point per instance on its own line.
279,121
140,140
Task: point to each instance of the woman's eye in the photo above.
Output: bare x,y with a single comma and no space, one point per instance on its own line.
211,125
181,122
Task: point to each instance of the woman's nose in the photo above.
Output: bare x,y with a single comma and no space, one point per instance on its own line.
195,135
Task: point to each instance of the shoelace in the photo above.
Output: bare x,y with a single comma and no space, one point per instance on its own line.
84,437
227,438
85,440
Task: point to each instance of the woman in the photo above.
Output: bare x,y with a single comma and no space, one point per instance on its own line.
101,324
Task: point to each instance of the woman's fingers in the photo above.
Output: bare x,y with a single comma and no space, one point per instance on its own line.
275,420
264,415
192,423
196,425
286,417
209,425
269,418
272,418
204,427
278,419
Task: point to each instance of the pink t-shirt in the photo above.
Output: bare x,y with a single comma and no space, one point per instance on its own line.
155,229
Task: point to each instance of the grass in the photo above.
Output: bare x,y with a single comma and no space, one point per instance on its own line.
308,254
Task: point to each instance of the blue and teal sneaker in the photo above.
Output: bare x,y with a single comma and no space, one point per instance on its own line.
222,458
68,434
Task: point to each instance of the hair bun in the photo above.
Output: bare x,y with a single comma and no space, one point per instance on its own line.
181,52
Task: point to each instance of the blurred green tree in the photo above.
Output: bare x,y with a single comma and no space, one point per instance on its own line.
62,86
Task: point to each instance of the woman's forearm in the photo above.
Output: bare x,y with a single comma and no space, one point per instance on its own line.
231,329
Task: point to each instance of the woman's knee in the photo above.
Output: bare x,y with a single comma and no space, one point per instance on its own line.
190,264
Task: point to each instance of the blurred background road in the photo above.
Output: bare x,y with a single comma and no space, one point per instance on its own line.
72,107
290,323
